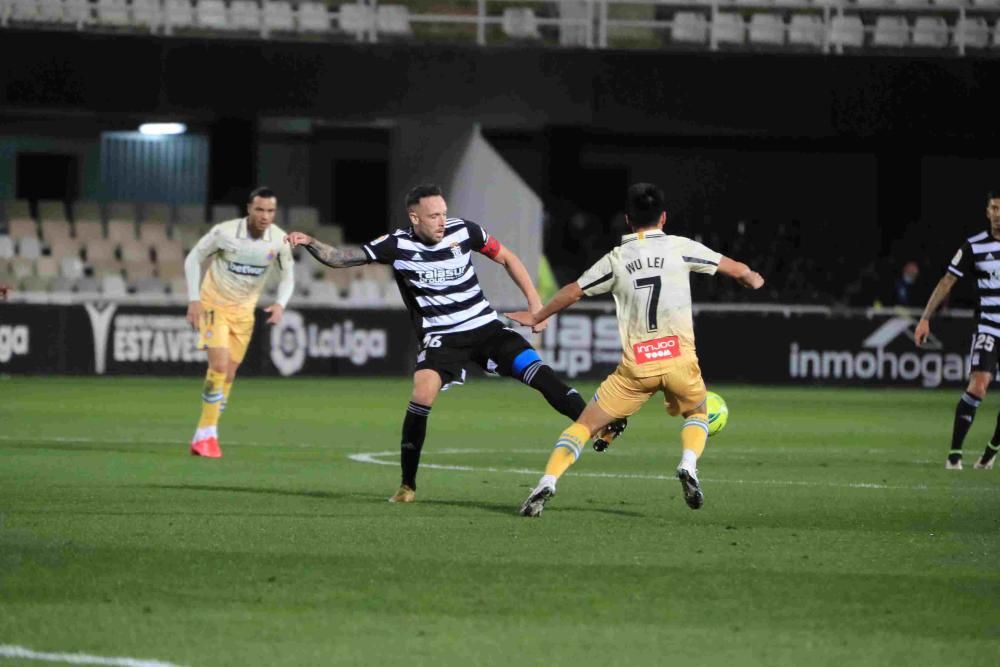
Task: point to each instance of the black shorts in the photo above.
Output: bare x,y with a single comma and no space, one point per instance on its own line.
985,352
493,347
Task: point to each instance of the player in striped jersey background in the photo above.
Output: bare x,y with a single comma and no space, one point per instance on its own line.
978,258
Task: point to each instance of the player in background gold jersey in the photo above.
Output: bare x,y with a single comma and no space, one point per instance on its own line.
221,306
648,274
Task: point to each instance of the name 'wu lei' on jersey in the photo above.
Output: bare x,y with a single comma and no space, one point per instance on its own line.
438,282
980,257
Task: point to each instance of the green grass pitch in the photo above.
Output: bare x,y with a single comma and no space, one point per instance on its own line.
831,533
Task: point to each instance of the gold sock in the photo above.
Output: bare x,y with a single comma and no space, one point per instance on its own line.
694,433
567,449
211,398
226,388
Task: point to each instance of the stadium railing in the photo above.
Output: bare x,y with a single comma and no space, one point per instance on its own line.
826,26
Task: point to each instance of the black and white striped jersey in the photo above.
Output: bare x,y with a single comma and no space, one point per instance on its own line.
979,257
438,282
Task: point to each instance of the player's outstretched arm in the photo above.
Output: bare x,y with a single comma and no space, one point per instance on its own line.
519,274
562,300
742,273
327,254
940,293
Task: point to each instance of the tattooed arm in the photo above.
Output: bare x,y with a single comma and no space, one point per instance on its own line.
327,254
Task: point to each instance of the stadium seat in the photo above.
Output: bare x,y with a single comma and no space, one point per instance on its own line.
29,247
50,11
972,32
986,3
47,267
911,4
149,286
123,211
313,17
121,231
71,267
156,212
60,248
393,20
520,23
101,252
17,209
356,19
22,228
169,250
211,14
950,3
135,271
245,15
87,285
766,29
728,28
112,13
153,233
177,14
24,11
88,230
689,27
190,214
89,211
930,32
77,13
278,16
22,267
134,251
36,283
51,210
806,30
187,235
53,230
891,31
170,270
147,13
6,247
223,212
847,31
113,286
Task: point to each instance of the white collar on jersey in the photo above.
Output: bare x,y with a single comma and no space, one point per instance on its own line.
644,234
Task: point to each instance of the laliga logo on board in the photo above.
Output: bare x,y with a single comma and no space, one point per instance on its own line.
293,341
14,340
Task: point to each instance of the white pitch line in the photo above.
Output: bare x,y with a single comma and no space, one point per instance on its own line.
10,651
375,457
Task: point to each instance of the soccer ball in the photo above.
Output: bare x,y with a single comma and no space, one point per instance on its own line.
718,413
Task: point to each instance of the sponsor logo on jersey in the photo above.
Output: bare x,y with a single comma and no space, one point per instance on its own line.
656,349
245,269
441,275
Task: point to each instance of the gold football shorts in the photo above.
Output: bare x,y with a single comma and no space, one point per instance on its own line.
226,327
621,395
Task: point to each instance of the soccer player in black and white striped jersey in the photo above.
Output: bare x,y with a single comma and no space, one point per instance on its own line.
979,258
432,264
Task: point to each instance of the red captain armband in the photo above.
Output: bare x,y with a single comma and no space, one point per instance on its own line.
491,248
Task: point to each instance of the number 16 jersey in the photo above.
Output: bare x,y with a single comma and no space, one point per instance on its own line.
648,275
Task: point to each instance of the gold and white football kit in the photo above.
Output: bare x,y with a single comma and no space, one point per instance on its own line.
236,275
648,275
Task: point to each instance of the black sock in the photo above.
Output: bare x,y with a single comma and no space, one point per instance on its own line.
560,396
414,431
965,412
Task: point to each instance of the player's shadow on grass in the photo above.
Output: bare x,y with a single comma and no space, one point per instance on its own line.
324,495
512,508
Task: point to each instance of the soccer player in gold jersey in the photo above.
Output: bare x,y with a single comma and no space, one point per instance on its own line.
221,306
648,274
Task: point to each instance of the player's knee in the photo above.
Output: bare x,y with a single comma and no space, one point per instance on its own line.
525,364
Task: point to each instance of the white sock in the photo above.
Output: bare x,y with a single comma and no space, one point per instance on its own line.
207,432
689,461
547,480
